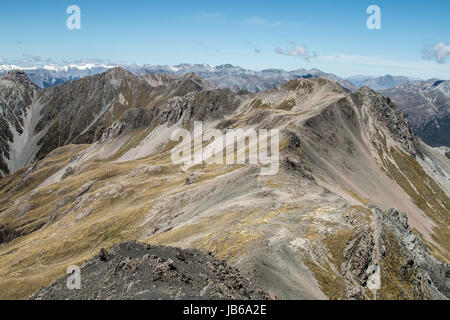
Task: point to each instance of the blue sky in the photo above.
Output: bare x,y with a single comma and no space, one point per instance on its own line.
328,35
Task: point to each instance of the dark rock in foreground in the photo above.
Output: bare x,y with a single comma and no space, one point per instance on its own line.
134,270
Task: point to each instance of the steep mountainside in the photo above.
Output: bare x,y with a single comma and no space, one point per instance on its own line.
16,95
77,111
427,106
322,227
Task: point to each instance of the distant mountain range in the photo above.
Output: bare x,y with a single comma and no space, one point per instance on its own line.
424,103
223,76
47,76
237,78
379,83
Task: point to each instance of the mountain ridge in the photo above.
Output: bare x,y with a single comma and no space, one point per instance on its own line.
222,76
317,229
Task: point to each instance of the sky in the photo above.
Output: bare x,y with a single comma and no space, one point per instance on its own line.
333,36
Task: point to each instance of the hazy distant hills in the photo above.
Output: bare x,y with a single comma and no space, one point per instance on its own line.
426,104
379,83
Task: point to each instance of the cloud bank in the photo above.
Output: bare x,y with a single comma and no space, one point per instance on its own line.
439,52
297,51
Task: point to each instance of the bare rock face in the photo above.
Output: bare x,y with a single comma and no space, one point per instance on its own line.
426,275
16,93
293,158
388,115
133,270
198,106
136,118
193,178
78,111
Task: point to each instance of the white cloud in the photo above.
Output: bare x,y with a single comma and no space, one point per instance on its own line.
297,51
439,51
28,58
262,22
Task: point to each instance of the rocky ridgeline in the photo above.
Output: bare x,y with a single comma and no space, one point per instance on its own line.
134,270
425,273
81,111
270,227
426,104
21,77
388,115
391,258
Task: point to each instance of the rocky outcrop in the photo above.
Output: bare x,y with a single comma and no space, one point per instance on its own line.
415,267
392,262
139,271
198,106
7,234
16,94
389,116
293,158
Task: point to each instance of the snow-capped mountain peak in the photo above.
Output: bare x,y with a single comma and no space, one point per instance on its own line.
57,67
